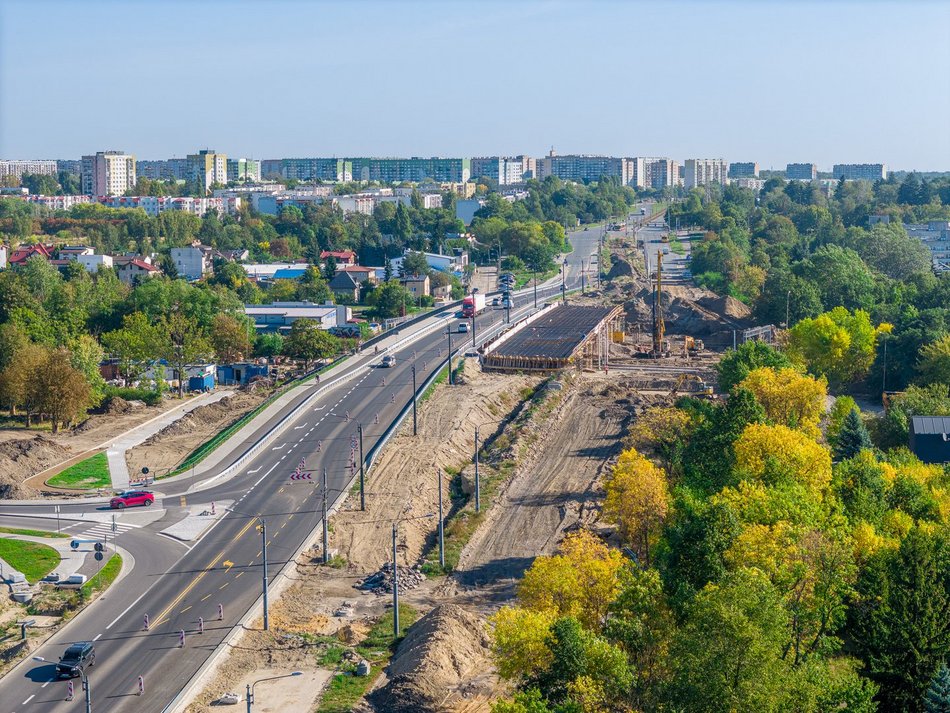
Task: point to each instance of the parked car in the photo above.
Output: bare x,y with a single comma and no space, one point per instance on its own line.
132,497
463,327
76,656
388,362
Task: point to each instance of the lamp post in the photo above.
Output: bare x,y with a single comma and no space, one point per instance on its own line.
82,677
263,528
478,502
415,429
563,285
362,460
535,271
788,299
250,687
448,332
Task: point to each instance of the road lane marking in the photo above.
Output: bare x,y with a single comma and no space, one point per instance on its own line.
281,490
208,596
29,699
46,684
279,447
235,576
297,428
251,472
228,564
185,609
224,585
97,637
183,502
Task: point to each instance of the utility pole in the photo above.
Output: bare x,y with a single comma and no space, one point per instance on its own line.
264,563
441,528
326,528
563,286
395,589
478,504
473,330
415,429
448,331
363,463
535,287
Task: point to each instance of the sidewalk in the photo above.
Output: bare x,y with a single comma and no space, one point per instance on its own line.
116,452
70,560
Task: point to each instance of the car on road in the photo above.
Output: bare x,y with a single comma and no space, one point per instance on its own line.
131,498
77,656
463,327
388,362
496,301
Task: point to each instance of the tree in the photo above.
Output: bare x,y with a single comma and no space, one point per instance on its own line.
329,268
518,637
772,453
40,184
839,344
268,345
934,362
230,338
136,343
58,390
182,344
937,698
12,339
637,501
415,263
901,627
308,341
389,299
841,276
403,224
789,397
85,355
663,431
15,379
737,363
853,438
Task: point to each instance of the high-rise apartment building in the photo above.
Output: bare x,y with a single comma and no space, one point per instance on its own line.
108,173
16,169
652,172
309,169
506,170
396,170
801,172
748,169
243,170
701,171
208,167
584,168
860,171
172,169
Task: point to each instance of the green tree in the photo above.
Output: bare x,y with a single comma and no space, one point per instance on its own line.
403,224
415,263
389,300
85,355
735,366
853,438
58,390
135,344
268,345
230,338
839,344
308,342
182,344
841,276
937,698
934,362
329,268
40,184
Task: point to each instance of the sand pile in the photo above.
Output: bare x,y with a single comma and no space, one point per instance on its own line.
439,653
23,458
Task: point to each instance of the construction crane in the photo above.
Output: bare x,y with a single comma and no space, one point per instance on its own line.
659,328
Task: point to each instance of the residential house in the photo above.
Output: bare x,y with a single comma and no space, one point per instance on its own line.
930,438
360,273
192,262
93,262
23,253
133,270
416,285
345,287
454,263
442,291
342,257
73,252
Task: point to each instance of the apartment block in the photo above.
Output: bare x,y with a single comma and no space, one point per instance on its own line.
506,170
584,168
243,170
860,171
801,171
108,173
172,169
308,169
703,171
208,167
17,168
415,169
748,169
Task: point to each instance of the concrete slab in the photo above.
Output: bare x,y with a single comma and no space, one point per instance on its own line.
295,694
198,519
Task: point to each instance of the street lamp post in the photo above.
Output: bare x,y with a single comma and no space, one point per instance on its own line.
441,528
415,429
250,687
326,527
263,528
535,271
563,285
363,462
84,679
448,331
788,300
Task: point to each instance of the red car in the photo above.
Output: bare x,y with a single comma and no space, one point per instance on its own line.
132,497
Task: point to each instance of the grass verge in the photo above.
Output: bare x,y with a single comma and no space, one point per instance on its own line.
31,533
93,472
34,560
105,577
345,688
676,245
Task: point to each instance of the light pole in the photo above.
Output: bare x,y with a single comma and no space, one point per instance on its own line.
250,687
535,271
563,285
478,502
448,331
788,300
363,462
415,429
84,679
263,528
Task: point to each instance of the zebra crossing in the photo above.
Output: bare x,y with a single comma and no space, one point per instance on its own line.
103,531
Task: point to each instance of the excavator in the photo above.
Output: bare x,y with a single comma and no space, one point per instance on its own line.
705,390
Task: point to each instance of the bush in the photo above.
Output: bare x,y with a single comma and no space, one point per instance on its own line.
151,397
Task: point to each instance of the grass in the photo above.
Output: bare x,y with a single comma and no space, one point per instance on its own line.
31,533
105,577
34,560
345,688
93,472
676,245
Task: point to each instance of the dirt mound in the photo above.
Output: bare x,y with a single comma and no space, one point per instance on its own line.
439,653
727,306
23,458
620,268
692,311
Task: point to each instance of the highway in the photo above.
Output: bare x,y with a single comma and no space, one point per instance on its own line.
175,584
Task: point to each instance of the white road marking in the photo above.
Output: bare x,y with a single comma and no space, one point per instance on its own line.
279,447
297,428
29,699
97,637
46,684
251,472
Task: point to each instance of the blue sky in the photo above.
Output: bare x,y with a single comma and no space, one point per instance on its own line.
766,81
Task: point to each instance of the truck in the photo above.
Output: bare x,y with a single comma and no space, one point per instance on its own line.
473,304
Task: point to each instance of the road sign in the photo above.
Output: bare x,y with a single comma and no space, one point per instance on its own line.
98,556
145,470
114,528
298,477
99,547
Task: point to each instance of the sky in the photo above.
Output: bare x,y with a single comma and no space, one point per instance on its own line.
772,82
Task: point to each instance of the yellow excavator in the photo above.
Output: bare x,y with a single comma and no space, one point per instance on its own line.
705,390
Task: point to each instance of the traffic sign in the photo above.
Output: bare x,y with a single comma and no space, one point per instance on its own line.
98,556
301,476
145,470
99,547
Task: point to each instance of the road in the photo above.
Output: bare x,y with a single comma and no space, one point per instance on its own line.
675,267
175,585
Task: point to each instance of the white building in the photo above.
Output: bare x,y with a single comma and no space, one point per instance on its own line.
653,172
755,184
208,167
17,168
700,171
3,256
153,205
442,263
243,170
92,263
58,202
108,173
506,170
192,262
280,316
860,171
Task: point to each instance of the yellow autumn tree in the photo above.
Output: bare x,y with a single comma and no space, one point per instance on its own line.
660,431
518,637
580,581
764,450
789,397
637,501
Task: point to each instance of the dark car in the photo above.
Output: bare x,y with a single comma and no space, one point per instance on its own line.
132,497
77,656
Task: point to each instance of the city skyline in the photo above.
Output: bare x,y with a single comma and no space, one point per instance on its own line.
297,79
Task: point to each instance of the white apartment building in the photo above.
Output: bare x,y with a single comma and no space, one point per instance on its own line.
108,173
208,167
860,171
92,263
652,172
700,171
191,262
153,205
17,168
506,170
243,170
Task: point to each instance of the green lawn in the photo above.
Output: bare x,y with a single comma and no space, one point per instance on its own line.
87,474
345,689
30,533
34,560
105,577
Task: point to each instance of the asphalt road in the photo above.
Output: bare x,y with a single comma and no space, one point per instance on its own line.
175,585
